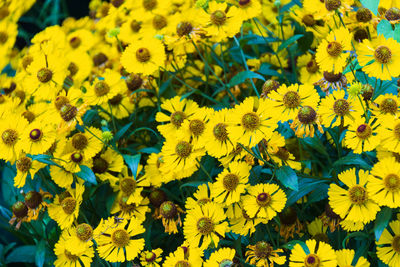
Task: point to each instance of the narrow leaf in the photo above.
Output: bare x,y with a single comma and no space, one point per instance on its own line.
133,163
288,177
87,174
289,41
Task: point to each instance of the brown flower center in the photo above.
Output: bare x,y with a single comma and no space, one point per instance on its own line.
68,112
364,131
9,137
196,127
73,69
263,250
308,20
396,243
363,14
44,75
291,99
100,165
24,164
149,4
177,118
358,195
230,181
76,157
150,256
218,17
143,55
75,42
79,141
332,5
159,22
183,149
168,210
334,49
312,66
135,26
184,28
250,121
182,263
220,132
70,256
307,115
128,185
84,231
360,35
3,37
341,107
99,59
120,238
331,77
392,13
33,199
19,209
101,88
205,226
388,105
392,182
383,54
312,260
263,199
68,205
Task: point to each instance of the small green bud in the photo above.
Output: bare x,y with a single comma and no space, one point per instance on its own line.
107,136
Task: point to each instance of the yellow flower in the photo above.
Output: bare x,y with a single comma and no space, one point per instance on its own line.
65,208
355,203
304,122
153,170
144,56
231,183
248,9
195,127
251,121
107,164
200,197
128,211
151,258
332,53
119,242
185,256
221,257
204,224
242,223
384,184
264,201
84,142
288,100
390,135
81,39
38,137
345,258
26,166
386,106
388,245
362,136
380,58
61,177
313,255
263,254
11,130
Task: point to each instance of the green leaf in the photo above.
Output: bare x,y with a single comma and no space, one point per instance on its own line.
46,159
9,192
192,184
306,185
288,177
289,41
87,174
40,253
381,221
122,131
397,33
22,254
290,245
352,160
384,27
371,5
242,76
133,163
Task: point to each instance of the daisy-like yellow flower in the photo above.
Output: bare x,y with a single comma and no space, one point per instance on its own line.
217,141
200,197
65,208
221,22
105,89
178,111
313,255
390,135
26,166
144,56
153,170
251,121
355,203
170,214
61,177
107,164
38,137
264,201
79,238
221,257
304,124
345,257
128,211
337,109
151,258
85,142
195,127
388,245
81,39
288,100
380,58
11,130
318,230
204,225
121,241
231,183
384,184
362,136
185,256
309,69
351,226
66,258
263,254
332,52
243,224
386,106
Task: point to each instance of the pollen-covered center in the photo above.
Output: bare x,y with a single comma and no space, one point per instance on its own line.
143,55
19,209
3,37
76,157
33,199
44,75
312,260
358,195
220,132
150,256
196,127
263,199
307,115
128,185
364,131
392,182
334,49
177,118
101,88
308,20
135,26
24,164
396,243
218,17
100,165
68,205
79,141
262,250
75,42
182,263
84,231
341,107
363,14
159,22
184,28
149,4
388,106
383,54
120,238
35,135
312,66
183,149
251,121
9,137
68,112
230,181
168,210
291,99
205,226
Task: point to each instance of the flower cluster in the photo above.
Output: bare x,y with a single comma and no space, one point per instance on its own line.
204,133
